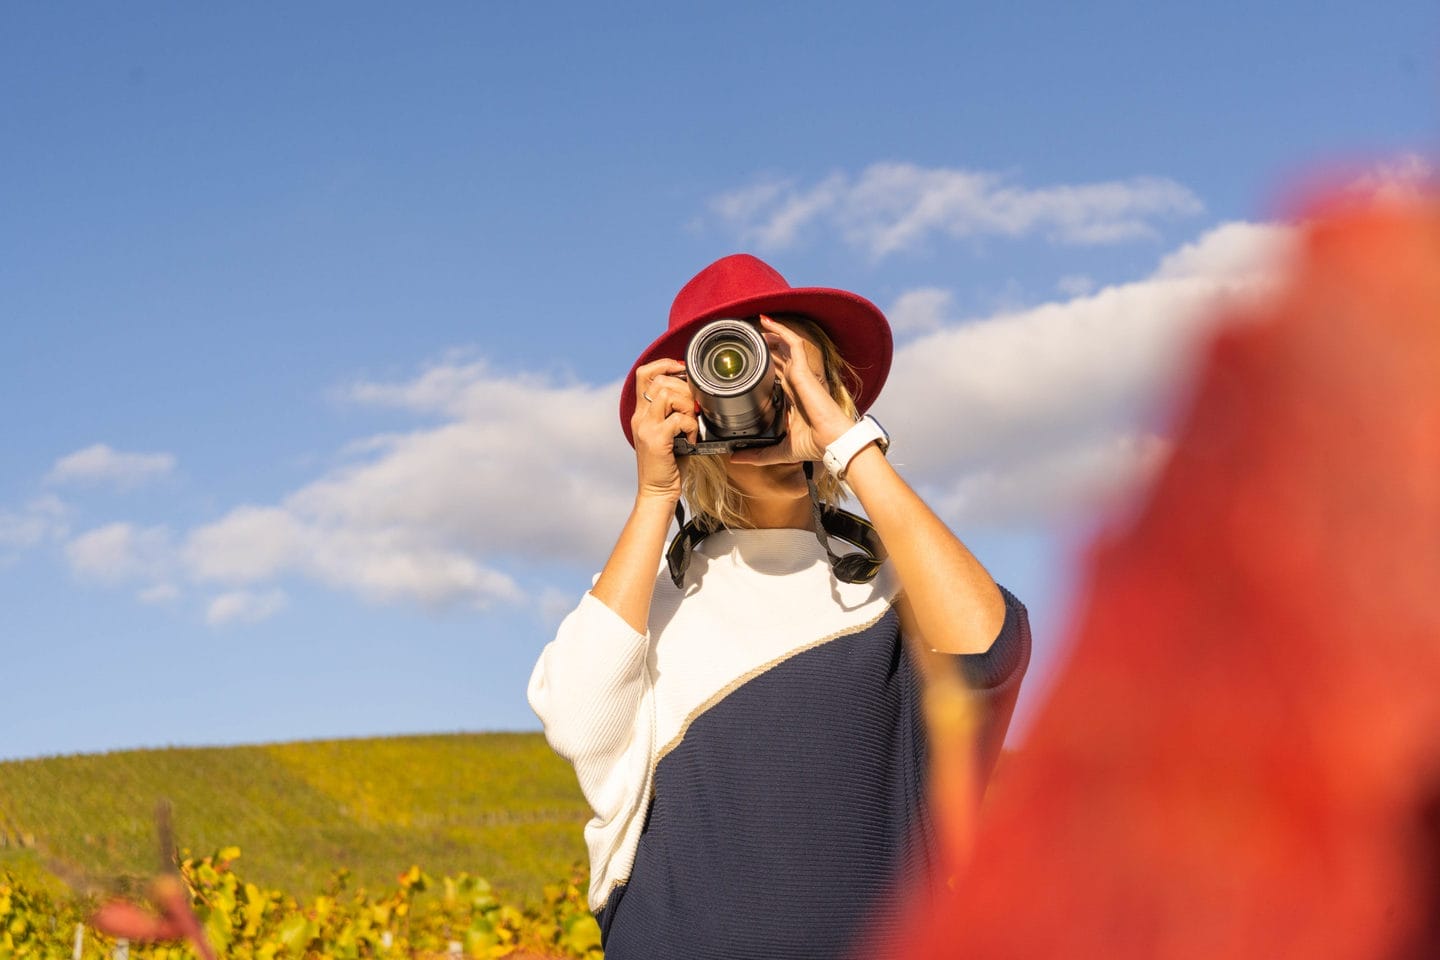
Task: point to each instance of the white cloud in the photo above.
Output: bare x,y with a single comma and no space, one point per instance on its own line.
1403,178
242,606
253,544
101,463
119,552
445,388
1004,416
891,207
1016,418
43,518
248,544
1075,285
920,311
1093,474
750,202
526,469
1231,251
159,593
1032,378
523,470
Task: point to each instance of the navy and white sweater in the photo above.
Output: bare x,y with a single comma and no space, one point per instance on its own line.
755,763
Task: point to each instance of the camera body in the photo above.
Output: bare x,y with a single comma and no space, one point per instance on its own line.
742,403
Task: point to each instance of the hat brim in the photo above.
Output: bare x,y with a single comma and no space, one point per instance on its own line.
858,328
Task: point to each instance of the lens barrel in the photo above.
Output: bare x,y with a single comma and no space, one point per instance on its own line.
728,365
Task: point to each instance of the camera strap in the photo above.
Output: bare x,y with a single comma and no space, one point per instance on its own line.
830,521
677,556
842,524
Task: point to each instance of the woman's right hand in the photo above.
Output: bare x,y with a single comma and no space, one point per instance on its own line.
664,408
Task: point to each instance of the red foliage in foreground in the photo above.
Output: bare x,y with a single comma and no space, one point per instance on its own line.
175,921
1242,758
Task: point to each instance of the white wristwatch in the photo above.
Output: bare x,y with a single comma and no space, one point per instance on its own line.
867,430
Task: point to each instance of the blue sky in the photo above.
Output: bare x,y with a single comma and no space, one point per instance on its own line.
312,316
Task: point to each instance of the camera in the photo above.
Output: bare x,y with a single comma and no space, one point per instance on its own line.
742,403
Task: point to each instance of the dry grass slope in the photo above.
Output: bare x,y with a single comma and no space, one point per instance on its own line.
497,805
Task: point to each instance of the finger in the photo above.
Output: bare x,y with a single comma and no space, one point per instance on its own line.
683,423
666,393
660,403
671,398
660,432
673,420
651,370
804,384
790,350
668,384
794,345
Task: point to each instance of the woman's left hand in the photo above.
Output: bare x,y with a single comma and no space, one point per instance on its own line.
815,419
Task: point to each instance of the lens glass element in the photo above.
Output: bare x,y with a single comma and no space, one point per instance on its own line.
727,363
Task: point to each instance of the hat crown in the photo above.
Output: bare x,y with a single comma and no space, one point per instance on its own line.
739,276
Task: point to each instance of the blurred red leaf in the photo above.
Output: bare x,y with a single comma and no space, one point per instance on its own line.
1242,758
120,918
176,920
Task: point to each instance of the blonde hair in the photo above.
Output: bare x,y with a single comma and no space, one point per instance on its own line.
706,485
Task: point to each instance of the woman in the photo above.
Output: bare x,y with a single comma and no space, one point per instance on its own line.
746,726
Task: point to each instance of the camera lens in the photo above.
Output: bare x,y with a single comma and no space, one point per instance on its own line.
727,363
731,378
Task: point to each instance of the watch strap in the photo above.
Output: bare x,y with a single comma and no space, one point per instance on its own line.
842,450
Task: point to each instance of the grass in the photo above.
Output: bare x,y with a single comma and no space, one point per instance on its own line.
497,805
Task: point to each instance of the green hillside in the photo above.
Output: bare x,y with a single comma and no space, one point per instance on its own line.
498,805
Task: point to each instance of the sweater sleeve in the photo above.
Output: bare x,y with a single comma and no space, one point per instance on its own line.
592,691
994,678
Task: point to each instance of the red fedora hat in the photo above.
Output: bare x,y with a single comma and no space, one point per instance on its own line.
742,286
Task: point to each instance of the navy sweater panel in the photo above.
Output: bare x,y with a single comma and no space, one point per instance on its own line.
794,808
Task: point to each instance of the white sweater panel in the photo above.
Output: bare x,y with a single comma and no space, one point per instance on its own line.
592,691
614,701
